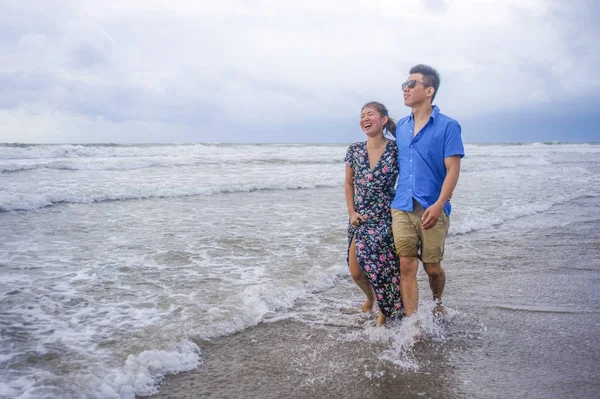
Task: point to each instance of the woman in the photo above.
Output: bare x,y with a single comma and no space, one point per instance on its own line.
371,172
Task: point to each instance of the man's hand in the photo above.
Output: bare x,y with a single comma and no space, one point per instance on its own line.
431,216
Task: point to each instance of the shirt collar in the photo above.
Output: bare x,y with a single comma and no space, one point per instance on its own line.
434,113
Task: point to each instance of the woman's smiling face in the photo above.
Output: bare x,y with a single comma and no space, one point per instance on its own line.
371,121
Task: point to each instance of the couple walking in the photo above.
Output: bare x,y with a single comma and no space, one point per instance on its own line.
392,226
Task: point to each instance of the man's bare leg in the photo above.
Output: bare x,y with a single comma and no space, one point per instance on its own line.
361,279
409,289
437,282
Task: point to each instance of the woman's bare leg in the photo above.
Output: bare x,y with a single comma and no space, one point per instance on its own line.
361,279
381,319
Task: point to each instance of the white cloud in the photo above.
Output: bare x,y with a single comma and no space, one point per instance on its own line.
47,127
196,65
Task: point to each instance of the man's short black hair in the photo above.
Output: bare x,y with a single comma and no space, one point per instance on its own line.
430,76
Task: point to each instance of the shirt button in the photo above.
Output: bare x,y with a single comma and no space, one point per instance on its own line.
411,160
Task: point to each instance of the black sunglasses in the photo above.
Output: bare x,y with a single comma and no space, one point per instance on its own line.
412,83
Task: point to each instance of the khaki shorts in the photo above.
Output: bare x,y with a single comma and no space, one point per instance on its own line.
412,241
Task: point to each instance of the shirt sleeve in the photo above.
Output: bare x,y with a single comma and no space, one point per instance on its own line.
453,144
349,159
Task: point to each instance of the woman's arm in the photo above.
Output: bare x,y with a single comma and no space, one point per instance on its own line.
349,190
355,217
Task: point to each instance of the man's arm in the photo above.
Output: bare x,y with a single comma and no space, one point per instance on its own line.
432,214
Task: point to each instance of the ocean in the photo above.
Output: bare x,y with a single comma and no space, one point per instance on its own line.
218,270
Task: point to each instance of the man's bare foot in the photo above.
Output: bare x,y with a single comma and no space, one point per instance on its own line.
440,310
368,305
419,335
381,319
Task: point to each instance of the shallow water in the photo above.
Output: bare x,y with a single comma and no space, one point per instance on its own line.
120,265
522,323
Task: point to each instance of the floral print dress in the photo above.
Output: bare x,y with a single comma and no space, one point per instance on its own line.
373,193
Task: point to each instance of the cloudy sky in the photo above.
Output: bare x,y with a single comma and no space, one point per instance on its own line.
292,70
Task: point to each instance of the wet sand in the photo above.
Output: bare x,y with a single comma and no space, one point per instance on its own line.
525,322
291,359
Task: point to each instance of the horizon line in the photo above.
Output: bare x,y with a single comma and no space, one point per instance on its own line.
107,143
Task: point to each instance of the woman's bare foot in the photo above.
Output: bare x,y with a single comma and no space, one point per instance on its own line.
381,319
368,305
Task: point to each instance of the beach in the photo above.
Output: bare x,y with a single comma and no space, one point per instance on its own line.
515,330
217,270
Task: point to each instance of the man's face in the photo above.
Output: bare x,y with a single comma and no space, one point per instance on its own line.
416,90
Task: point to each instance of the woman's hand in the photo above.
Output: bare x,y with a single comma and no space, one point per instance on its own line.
356,218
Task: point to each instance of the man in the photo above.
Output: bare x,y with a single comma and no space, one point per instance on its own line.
429,152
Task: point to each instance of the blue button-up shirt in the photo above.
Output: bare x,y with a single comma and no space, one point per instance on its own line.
421,159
